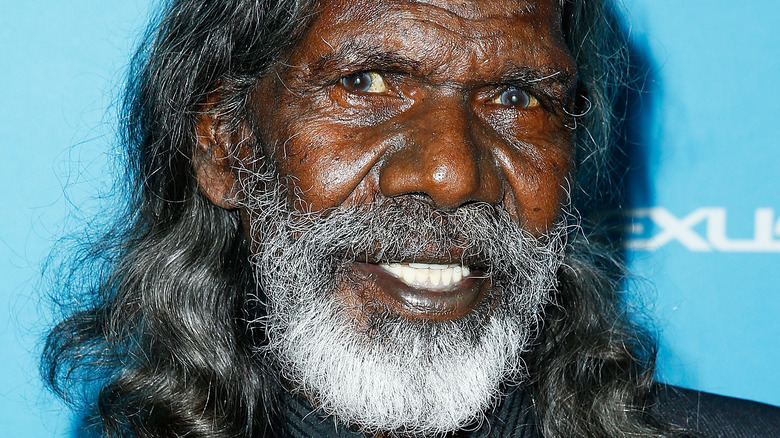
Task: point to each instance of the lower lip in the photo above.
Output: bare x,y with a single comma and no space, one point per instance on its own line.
438,305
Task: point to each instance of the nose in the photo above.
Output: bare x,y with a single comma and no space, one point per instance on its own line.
439,157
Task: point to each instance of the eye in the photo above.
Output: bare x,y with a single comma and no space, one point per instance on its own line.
515,98
364,82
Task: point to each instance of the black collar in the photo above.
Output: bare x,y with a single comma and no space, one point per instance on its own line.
512,418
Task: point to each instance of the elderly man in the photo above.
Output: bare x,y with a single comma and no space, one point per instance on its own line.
356,218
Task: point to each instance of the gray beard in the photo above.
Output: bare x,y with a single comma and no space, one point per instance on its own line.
388,373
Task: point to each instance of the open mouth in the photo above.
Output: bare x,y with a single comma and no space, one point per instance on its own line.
428,275
425,290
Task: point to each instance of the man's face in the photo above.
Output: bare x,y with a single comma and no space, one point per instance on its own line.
404,204
447,102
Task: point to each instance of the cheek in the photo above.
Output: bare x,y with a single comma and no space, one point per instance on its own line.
322,143
536,164
537,189
321,160
326,163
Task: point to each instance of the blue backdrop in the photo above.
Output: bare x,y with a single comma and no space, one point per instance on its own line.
703,229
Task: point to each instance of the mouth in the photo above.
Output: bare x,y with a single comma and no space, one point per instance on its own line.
428,276
425,291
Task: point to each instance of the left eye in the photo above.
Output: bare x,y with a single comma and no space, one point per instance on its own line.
515,98
364,82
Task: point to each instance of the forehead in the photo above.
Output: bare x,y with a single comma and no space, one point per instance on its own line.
438,35
463,9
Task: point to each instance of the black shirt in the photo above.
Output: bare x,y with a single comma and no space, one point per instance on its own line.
707,414
715,415
511,418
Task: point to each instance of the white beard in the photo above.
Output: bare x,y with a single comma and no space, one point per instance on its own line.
394,375
427,387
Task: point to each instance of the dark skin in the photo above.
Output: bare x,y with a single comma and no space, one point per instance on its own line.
449,102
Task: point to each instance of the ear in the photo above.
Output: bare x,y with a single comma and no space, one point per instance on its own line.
213,159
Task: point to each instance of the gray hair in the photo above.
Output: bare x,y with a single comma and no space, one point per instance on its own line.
157,315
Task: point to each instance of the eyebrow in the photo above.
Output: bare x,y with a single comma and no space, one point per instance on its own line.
356,56
550,79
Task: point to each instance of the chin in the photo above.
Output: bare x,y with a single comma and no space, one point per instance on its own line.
398,375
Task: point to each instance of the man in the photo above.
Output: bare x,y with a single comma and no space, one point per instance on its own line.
358,218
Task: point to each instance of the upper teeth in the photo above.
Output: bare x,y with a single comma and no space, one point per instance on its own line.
428,276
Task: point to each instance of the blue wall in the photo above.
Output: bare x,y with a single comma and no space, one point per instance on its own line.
705,231
711,242
60,69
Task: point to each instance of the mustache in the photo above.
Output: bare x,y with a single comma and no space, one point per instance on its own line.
406,229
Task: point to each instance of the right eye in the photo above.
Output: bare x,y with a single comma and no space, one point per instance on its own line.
364,82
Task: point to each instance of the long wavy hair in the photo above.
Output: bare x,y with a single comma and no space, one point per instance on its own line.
154,326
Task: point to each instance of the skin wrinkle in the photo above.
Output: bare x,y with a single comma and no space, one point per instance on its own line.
444,58
380,18
446,12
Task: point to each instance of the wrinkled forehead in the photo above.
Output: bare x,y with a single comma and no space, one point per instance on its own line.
475,9
447,12
441,34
